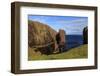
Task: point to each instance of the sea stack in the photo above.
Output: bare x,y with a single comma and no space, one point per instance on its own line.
60,37
85,35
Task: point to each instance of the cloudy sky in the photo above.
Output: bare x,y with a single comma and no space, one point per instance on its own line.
71,24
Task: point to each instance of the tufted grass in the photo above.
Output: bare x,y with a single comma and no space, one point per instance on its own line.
74,53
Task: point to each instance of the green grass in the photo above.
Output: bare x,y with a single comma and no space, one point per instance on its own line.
78,52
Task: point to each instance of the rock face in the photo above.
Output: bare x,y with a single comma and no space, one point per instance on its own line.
85,35
42,37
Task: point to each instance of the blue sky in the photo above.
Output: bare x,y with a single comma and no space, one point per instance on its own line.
72,25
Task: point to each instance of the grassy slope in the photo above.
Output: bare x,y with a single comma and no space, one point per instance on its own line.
78,52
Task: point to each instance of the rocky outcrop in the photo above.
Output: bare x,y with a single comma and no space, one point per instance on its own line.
41,36
85,35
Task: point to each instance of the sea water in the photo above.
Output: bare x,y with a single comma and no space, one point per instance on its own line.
73,41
